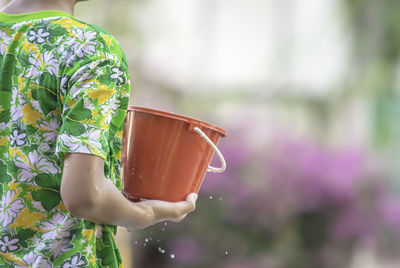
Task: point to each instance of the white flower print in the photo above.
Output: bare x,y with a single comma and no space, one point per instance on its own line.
17,101
100,71
83,42
34,260
43,147
16,112
111,105
8,244
75,261
3,126
10,208
36,104
38,36
39,244
109,109
57,247
58,227
17,138
78,87
36,164
88,142
41,63
88,104
64,85
50,129
4,42
118,75
67,56
88,250
37,205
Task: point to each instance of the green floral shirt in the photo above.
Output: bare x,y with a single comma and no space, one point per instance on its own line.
64,87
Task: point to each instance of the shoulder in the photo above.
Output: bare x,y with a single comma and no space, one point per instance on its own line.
87,38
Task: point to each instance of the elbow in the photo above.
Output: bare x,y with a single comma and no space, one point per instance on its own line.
81,205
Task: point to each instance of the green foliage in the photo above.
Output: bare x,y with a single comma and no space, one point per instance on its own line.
48,198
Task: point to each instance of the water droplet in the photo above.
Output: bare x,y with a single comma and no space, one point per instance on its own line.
163,229
136,242
220,199
165,223
144,244
172,256
147,240
161,250
211,197
226,252
158,240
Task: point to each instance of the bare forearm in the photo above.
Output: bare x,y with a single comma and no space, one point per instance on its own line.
89,195
111,207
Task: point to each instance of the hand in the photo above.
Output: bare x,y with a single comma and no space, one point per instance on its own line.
156,210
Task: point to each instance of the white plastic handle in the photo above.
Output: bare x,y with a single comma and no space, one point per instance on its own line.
221,157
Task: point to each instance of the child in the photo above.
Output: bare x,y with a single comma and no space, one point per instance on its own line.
64,91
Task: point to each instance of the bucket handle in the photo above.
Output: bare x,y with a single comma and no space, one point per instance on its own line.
221,157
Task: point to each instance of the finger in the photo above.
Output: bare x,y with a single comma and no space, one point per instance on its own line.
192,197
175,210
180,218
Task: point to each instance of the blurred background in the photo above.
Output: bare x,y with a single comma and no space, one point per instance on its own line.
308,91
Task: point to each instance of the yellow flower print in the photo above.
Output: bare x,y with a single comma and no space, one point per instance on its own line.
21,82
68,23
27,219
101,93
28,93
95,113
12,258
16,151
6,30
30,116
61,206
119,134
88,234
30,47
71,103
12,186
29,197
57,112
4,141
93,260
18,36
108,39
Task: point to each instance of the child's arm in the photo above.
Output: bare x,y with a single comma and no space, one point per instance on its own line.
88,194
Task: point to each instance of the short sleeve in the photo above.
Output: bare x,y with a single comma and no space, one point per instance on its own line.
94,99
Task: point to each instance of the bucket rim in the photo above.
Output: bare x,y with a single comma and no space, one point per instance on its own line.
178,117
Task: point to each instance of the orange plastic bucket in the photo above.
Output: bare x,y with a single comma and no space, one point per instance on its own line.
166,156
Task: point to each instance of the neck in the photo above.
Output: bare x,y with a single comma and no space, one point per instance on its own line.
27,6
